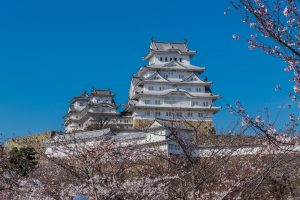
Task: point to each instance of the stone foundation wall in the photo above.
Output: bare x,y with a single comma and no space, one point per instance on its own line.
201,127
35,141
142,123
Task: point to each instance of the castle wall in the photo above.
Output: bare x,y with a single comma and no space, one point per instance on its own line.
200,127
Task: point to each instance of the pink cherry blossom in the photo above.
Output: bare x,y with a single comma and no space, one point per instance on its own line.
235,36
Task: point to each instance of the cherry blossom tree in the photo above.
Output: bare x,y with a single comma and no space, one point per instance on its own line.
274,27
214,168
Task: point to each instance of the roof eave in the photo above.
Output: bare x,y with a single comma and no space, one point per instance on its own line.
152,52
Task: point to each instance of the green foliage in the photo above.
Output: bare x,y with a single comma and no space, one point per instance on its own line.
22,160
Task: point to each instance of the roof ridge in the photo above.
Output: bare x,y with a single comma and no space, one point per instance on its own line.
169,42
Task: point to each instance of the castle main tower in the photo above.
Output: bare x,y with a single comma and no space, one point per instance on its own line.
169,88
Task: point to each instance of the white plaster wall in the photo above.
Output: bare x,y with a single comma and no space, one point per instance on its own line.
74,116
178,101
102,109
80,105
73,126
101,100
140,114
156,58
156,136
162,87
174,75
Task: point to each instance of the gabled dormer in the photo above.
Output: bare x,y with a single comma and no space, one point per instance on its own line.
193,78
156,76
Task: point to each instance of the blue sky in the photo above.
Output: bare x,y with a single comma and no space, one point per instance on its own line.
53,50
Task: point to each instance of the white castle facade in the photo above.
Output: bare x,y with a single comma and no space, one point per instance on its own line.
167,88
94,111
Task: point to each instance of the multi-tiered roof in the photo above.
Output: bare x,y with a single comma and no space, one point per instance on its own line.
171,84
86,109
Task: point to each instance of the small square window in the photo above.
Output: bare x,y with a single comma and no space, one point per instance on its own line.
194,103
205,103
161,59
175,59
170,59
180,59
168,114
157,114
166,59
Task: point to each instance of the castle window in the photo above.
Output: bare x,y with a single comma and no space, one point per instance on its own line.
161,59
147,101
190,114
170,59
147,113
161,88
205,103
198,89
181,76
180,59
166,59
194,103
157,102
200,114
168,114
157,114
179,114
175,59
150,88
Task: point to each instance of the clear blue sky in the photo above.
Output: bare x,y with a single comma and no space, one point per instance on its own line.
51,51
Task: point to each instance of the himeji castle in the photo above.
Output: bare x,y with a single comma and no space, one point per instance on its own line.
96,110
167,88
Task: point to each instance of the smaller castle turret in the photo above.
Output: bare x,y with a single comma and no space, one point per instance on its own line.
94,111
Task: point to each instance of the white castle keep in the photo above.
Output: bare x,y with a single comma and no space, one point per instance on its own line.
167,88
94,111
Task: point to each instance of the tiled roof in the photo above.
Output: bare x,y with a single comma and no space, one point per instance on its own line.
179,47
173,65
102,92
166,46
